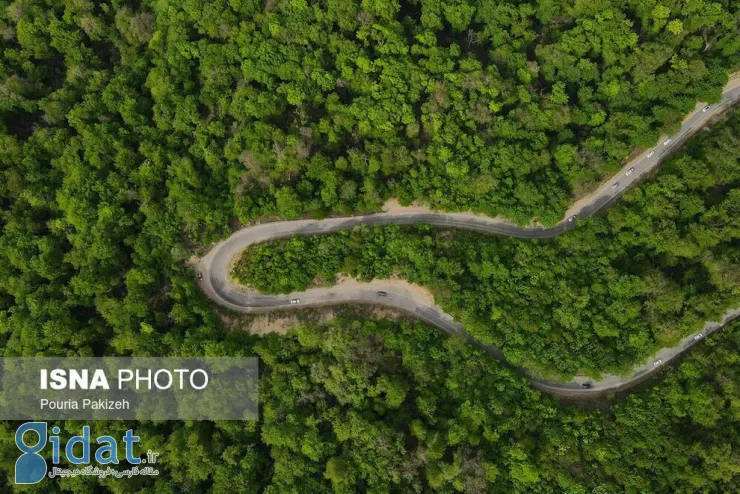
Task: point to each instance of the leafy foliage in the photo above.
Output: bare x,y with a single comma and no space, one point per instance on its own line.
651,270
132,132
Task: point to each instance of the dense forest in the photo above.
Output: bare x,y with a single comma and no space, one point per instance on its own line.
219,109
363,406
655,267
132,133
408,409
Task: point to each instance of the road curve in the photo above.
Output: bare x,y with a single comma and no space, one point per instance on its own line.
217,284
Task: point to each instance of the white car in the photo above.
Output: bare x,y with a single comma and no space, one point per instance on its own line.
705,109
650,154
629,172
698,336
615,186
572,219
657,362
295,301
666,142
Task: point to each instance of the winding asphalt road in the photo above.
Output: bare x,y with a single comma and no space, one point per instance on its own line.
218,286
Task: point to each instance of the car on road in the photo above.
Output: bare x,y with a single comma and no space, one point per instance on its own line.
705,109
615,185
657,362
572,218
381,294
666,142
200,276
295,301
650,154
629,172
698,336
586,385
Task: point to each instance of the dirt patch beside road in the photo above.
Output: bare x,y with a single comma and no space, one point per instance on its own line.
396,284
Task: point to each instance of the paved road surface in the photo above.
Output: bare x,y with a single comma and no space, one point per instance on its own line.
218,286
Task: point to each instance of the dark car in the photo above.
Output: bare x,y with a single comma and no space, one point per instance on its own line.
382,294
586,385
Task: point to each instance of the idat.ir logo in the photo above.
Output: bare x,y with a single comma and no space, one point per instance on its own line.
31,467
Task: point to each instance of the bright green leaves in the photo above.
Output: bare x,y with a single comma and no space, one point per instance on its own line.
459,16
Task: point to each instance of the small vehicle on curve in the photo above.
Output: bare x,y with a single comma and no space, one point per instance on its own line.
657,362
705,109
615,186
698,336
572,218
381,294
666,142
200,276
295,301
650,154
629,172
